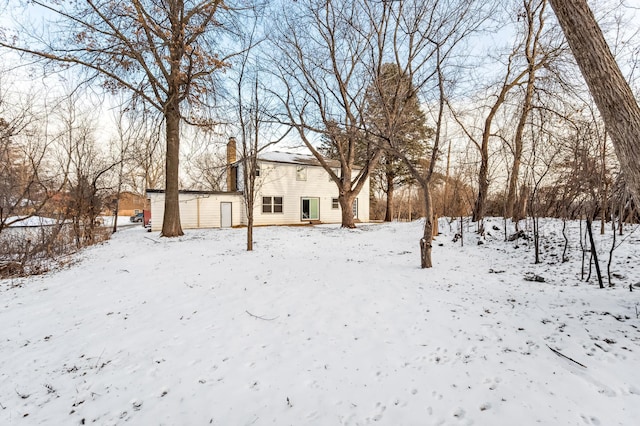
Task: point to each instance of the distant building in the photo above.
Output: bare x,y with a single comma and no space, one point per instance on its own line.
290,189
129,204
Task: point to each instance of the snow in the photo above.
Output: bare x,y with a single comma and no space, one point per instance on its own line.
30,221
287,157
123,221
324,326
294,158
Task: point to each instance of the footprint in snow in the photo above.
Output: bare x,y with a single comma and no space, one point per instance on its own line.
492,382
439,356
380,409
590,420
459,413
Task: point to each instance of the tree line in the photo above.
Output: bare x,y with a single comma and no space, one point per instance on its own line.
400,91
58,173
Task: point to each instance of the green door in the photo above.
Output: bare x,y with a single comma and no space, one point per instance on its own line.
310,209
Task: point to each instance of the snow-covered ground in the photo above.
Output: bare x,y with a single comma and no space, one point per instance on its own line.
123,221
322,326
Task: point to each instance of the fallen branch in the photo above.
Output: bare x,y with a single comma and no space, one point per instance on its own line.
259,317
155,241
560,354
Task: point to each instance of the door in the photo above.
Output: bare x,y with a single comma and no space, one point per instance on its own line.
310,209
225,215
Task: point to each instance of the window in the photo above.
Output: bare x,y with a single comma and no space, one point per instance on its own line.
355,208
335,204
338,172
310,209
271,204
301,173
257,171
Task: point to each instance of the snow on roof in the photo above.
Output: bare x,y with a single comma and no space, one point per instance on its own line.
17,221
294,158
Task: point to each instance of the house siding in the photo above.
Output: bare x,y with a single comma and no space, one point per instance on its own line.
201,209
280,180
129,203
198,210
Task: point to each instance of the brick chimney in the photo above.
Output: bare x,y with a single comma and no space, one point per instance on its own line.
232,184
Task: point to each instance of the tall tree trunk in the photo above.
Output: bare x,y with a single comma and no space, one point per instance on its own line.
483,179
510,204
483,175
114,228
531,49
603,186
445,193
346,199
520,210
171,222
250,232
519,144
390,176
610,91
427,236
250,198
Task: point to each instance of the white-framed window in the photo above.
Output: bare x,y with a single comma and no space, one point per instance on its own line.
301,173
335,203
355,208
257,171
271,204
310,208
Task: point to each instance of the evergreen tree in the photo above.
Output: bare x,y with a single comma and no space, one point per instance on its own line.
393,115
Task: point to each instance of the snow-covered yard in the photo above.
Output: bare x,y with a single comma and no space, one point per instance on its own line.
322,326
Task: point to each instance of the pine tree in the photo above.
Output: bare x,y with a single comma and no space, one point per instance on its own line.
394,117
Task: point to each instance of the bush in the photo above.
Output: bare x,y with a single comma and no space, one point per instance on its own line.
37,249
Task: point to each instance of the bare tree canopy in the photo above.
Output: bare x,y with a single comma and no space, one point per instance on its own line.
164,53
322,49
610,90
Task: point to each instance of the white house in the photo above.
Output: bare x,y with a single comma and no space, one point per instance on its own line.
291,189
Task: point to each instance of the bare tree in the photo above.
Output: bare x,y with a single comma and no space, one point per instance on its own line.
88,171
256,127
423,38
21,160
32,222
207,168
147,170
533,16
122,148
544,153
610,90
324,73
164,53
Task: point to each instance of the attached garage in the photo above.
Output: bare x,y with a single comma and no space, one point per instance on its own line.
200,209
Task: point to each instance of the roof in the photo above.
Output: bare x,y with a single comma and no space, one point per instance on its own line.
191,191
294,158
